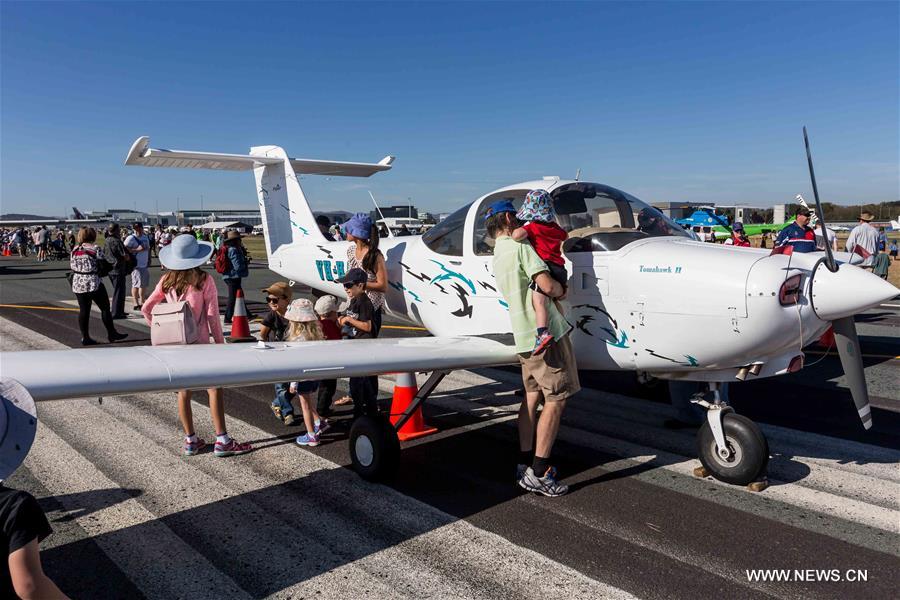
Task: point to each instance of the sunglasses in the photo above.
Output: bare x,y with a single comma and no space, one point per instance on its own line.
347,286
271,299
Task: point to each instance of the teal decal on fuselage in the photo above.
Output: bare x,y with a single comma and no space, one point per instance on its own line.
401,288
330,270
449,274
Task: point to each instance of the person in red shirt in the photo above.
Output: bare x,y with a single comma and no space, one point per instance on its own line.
738,238
326,308
546,236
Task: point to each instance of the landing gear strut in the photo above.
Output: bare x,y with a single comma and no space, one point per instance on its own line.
374,445
731,446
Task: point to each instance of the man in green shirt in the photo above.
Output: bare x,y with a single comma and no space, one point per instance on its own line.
550,377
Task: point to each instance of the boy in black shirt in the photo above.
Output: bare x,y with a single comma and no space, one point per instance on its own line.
22,526
274,326
357,320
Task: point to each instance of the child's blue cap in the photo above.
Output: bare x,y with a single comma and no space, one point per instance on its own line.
500,206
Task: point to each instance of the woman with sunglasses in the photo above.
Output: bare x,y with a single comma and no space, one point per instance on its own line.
273,329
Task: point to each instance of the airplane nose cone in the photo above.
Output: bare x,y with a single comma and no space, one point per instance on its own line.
847,292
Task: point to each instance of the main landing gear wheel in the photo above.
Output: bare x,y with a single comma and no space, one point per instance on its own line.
374,447
747,453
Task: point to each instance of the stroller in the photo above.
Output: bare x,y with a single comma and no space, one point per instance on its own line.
57,250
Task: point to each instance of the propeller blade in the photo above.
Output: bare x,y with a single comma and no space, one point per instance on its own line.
847,343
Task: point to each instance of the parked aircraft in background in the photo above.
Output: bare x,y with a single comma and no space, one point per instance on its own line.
639,290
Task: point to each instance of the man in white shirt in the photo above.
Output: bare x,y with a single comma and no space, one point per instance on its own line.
139,244
866,237
820,239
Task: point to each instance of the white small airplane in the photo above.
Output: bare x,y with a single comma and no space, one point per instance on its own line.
639,291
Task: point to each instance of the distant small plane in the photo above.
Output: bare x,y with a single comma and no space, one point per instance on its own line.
640,290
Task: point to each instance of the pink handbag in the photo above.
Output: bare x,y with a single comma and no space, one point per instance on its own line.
173,323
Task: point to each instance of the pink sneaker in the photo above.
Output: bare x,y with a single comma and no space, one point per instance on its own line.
232,448
192,448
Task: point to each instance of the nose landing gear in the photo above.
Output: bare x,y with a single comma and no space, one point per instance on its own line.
731,447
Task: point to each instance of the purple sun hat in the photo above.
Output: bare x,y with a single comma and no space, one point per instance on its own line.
359,226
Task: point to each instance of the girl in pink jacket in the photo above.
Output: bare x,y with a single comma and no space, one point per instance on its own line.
184,280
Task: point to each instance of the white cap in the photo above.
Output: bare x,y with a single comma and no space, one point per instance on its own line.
326,304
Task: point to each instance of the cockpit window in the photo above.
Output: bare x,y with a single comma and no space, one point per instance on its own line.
447,236
597,218
484,244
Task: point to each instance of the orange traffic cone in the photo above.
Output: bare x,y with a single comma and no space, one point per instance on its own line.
6,251
404,392
240,325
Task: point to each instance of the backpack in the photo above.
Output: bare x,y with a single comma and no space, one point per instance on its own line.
173,323
223,264
129,262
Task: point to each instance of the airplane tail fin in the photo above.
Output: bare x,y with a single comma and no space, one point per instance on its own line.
77,213
286,215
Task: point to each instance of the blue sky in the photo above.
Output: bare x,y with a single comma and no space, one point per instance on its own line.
669,101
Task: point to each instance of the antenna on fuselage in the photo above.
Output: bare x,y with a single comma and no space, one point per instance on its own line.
372,196
578,175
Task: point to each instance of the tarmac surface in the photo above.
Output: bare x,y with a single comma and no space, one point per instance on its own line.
134,518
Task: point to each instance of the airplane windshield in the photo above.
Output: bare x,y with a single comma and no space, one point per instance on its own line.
597,218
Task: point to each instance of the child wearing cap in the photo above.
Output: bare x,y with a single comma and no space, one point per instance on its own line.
273,329
545,236
304,327
326,308
358,319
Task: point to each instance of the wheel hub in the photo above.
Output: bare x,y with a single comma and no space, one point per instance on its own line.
365,451
729,456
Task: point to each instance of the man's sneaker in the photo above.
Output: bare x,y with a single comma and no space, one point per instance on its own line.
322,426
546,485
232,448
289,419
192,448
520,471
541,342
308,439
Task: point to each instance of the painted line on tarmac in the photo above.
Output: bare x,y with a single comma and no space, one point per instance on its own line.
407,327
38,307
888,356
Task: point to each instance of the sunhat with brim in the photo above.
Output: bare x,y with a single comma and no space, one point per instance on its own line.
185,252
866,216
359,226
18,425
301,310
538,206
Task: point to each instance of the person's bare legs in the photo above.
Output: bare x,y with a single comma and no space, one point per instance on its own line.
310,416
539,302
185,413
528,420
547,428
142,292
217,409
134,296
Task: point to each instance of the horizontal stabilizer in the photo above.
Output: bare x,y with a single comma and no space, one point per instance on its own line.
141,154
98,371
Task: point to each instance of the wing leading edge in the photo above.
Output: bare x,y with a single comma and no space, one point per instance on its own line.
141,154
100,372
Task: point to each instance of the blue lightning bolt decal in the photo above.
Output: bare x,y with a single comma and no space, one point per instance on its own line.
448,274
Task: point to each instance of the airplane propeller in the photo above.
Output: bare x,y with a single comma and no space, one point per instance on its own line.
845,336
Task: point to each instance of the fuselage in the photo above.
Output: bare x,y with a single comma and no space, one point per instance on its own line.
662,304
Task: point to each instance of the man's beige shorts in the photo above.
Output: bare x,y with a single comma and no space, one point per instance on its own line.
553,372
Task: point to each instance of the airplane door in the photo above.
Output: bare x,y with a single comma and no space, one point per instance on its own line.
601,331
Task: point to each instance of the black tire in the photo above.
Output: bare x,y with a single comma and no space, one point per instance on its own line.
750,450
374,448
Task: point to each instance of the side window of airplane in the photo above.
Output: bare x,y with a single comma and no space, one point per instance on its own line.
447,236
484,244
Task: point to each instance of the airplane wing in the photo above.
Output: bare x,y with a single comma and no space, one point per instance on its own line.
133,369
143,155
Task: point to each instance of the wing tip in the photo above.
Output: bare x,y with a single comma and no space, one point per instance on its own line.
138,148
